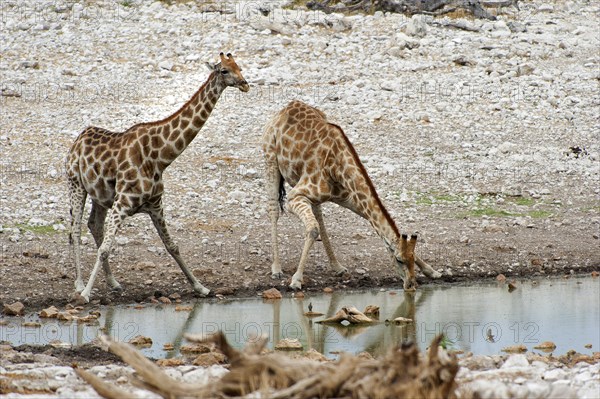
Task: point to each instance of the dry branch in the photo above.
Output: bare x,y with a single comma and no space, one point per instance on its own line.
403,372
105,390
349,314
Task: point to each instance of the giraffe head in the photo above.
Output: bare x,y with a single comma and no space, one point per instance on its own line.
405,261
229,72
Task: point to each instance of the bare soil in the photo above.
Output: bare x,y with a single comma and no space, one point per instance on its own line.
40,273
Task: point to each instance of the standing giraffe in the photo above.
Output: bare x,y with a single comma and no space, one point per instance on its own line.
316,158
122,173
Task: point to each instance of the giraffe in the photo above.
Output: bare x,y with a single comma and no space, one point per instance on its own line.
315,157
122,173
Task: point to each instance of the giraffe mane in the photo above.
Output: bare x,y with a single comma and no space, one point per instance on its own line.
173,115
365,175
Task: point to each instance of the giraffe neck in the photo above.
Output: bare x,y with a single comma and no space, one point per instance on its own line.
375,212
179,129
363,198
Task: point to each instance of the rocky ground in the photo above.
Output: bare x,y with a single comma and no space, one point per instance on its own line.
483,138
47,375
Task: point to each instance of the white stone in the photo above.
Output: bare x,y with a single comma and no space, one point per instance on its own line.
562,391
591,390
583,376
36,222
167,65
537,389
516,360
202,375
554,375
500,25
416,26
59,227
237,195
192,57
121,240
500,33
488,388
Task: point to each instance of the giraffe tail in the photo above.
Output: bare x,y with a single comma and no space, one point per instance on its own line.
282,193
71,229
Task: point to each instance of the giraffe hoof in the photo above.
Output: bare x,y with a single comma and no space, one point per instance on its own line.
78,300
341,271
79,287
277,275
435,274
296,284
117,288
202,291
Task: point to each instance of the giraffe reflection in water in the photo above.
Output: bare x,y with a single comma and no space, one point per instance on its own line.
278,319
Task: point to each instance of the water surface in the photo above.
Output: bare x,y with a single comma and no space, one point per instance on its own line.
481,318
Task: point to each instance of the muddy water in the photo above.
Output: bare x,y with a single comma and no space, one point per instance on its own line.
482,318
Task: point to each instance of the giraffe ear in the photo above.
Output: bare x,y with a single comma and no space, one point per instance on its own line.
215,67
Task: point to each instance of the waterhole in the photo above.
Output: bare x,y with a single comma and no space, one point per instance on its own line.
479,318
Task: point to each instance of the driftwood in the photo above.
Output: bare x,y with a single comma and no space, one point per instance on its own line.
410,7
403,372
349,314
372,310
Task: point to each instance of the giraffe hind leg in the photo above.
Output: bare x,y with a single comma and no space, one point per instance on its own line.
115,217
96,226
276,193
77,197
339,269
156,214
302,207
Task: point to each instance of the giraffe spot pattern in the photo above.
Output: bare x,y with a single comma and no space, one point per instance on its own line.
166,131
197,121
157,141
168,152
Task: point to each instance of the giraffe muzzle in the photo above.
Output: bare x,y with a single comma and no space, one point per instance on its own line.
244,86
410,284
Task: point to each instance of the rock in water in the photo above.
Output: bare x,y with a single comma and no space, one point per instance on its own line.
272,293
288,344
49,313
14,309
545,346
140,340
515,349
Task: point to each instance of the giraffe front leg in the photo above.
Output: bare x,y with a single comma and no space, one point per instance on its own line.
96,226
157,216
116,217
337,267
426,269
302,207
